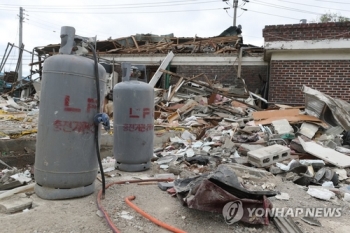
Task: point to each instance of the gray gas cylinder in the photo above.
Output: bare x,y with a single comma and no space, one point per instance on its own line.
66,159
133,115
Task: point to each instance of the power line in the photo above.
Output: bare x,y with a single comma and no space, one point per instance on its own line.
283,7
253,36
137,5
334,2
1,9
146,3
269,14
315,6
39,26
138,12
58,27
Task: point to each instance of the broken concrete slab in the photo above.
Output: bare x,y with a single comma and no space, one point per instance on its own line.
327,154
165,185
245,148
282,126
267,156
240,160
308,130
15,204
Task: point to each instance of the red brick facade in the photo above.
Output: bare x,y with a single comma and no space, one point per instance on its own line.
227,74
287,77
331,77
310,31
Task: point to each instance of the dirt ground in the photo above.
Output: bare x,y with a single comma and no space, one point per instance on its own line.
80,214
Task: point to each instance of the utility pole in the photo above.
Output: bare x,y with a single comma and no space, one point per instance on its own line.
20,41
235,5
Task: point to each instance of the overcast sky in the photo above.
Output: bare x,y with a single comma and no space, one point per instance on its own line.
122,18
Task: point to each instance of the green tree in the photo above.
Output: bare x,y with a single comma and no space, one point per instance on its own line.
331,17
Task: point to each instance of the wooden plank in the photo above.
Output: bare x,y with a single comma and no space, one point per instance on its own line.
325,153
217,90
197,76
163,66
175,88
208,81
261,115
293,120
21,189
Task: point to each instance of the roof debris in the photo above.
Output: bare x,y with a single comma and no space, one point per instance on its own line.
219,147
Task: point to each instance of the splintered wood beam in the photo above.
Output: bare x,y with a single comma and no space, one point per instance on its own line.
197,76
175,88
213,89
208,81
135,42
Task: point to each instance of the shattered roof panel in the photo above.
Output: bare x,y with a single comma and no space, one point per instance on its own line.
151,44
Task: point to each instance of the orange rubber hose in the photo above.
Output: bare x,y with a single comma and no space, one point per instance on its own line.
105,214
151,218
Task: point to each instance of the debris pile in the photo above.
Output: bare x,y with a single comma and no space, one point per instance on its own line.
18,117
226,42
220,147
307,146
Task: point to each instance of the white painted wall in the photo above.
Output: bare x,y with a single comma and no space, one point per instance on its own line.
308,44
186,60
338,49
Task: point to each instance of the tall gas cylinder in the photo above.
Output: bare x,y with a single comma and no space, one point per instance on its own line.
66,159
133,115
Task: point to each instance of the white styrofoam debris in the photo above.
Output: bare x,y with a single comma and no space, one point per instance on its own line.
342,174
190,152
126,215
206,148
197,144
321,193
188,136
282,196
285,167
328,184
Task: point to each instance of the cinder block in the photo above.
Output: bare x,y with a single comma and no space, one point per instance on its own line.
266,156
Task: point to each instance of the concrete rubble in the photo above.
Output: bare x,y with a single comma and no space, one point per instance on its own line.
197,136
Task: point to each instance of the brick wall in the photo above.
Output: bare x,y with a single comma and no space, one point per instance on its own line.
331,77
227,74
310,31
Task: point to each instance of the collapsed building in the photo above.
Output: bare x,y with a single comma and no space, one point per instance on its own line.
214,142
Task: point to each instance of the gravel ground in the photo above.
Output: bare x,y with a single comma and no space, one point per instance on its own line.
80,214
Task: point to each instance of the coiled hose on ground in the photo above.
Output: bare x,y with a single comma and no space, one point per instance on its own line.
128,201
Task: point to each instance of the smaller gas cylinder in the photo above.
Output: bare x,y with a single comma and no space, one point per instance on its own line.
133,107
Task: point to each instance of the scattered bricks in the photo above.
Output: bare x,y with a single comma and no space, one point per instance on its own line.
266,156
